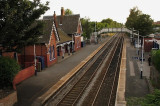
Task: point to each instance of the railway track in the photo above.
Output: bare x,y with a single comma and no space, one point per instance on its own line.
107,88
75,93
72,97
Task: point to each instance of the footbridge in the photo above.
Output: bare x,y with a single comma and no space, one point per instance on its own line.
113,30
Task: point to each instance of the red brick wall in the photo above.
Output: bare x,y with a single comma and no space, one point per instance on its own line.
9,100
52,43
41,50
77,43
148,44
79,31
49,63
8,54
22,75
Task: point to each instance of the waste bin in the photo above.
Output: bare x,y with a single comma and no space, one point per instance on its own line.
38,66
82,44
41,59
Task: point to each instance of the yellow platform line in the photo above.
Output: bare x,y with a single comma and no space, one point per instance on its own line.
120,97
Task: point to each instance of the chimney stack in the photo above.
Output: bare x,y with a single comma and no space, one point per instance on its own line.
62,11
54,18
62,14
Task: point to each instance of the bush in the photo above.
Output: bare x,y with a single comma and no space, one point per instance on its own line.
152,99
156,58
148,100
8,69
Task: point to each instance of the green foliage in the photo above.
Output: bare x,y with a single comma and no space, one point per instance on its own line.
148,100
110,23
87,27
133,16
8,69
152,99
139,21
155,55
134,101
16,22
144,24
68,12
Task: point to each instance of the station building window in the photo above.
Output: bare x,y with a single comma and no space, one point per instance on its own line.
52,53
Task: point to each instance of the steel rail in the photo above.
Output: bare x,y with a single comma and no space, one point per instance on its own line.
105,75
84,86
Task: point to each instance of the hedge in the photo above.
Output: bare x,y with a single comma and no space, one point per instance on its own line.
8,69
155,57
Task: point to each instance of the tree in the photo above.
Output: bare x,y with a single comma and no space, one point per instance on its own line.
139,21
17,23
144,24
133,16
110,23
100,26
87,27
68,12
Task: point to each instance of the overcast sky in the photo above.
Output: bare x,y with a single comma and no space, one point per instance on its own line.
96,10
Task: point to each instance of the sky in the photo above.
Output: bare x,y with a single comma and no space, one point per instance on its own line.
97,10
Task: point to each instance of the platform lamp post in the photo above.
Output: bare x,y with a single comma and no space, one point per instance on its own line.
138,44
96,33
141,75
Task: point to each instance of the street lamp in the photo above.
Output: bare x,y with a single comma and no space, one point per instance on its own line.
138,44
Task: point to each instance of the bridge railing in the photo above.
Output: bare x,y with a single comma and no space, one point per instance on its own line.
112,30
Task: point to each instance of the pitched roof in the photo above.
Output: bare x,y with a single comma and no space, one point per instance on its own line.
63,36
69,22
46,31
48,28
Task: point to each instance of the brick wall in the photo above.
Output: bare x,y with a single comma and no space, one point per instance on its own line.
8,54
79,31
10,100
77,43
148,44
49,63
22,75
52,43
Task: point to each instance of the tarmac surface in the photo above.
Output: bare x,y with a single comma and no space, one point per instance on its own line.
35,86
135,86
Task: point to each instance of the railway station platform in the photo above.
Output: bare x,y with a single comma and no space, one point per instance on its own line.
29,90
135,86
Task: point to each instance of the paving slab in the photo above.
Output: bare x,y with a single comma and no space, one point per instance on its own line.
135,86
